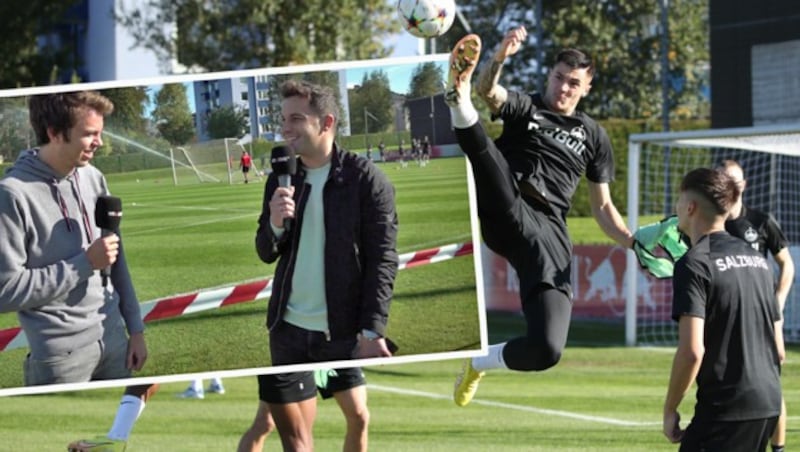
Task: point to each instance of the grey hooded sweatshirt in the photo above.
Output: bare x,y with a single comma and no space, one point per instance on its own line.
46,224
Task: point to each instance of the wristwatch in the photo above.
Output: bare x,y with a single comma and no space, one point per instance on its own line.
370,335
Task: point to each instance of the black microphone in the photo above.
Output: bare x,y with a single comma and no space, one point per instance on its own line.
284,164
107,216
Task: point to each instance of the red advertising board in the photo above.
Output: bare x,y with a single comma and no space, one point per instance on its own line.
598,285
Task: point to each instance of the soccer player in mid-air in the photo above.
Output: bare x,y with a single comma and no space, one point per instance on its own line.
724,302
525,182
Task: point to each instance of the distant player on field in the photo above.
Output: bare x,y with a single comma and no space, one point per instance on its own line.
525,182
425,151
763,233
727,314
245,162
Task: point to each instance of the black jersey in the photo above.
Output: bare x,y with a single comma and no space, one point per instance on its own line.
727,283
552,151
758,229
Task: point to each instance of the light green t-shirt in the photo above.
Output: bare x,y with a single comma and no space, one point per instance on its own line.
307,307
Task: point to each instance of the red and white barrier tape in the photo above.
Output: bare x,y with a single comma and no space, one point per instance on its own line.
178,305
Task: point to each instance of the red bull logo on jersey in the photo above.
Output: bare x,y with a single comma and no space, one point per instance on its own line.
572,140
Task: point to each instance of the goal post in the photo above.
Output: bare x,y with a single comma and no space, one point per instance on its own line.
770,157
233,148
183,165
208,161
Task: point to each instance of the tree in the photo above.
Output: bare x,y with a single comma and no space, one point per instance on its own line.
373,99
427,80
129,109
26,62
227,122
243,34
329,79
172,116
15,131
621,35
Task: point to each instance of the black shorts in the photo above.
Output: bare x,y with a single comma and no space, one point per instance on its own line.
245,169
286,388
535,242
341,380
731,436
290,344
299,386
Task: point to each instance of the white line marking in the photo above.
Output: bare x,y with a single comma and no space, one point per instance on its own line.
174,207
189,225
529,409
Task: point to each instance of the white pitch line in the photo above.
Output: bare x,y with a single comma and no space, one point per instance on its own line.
189,225
174,207
529,409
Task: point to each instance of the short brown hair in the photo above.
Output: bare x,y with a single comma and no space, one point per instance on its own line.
320,98
59,111
714,185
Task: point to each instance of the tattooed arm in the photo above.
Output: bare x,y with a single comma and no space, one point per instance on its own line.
488,82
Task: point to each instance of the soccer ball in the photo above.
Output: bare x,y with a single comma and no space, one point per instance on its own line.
427,18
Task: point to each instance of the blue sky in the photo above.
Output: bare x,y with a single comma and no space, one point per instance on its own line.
399,76
405,45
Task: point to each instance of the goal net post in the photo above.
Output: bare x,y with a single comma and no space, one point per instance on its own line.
770,157
208,161
234,147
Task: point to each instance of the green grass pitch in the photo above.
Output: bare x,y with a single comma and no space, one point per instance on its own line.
596,399
601,397
184,238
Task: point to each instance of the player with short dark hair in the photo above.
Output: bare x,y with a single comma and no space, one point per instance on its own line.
725,306
524,185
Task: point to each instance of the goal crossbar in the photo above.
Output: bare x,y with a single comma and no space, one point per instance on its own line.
783,139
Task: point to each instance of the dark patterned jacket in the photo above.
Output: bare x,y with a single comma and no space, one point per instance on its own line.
360,245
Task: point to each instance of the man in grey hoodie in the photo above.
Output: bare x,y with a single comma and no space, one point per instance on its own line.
49,265
79,327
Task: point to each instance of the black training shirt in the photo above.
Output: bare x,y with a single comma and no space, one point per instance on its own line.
758,229
727,283
552,151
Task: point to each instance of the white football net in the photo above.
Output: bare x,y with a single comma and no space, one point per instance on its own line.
770,156
210,161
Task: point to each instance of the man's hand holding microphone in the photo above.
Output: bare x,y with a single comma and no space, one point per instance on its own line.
281,205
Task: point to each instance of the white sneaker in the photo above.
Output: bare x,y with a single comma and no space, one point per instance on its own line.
216,388
190,393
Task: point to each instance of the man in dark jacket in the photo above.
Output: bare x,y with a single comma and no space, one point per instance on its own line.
333,232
